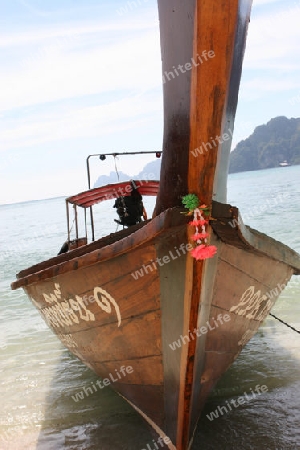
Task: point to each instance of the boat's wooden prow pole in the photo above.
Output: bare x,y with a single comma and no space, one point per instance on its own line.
177,22
202,43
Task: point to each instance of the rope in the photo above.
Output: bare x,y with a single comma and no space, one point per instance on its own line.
116,169
70,230
277,318
85,223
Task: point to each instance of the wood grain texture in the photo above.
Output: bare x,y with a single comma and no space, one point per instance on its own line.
102,252
176,48
156,309
137,307
174,284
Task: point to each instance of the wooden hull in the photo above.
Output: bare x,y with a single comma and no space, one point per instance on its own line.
128,305
135,306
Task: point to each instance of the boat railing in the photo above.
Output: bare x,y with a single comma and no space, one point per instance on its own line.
87,199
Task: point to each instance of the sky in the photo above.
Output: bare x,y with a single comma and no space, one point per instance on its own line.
82,77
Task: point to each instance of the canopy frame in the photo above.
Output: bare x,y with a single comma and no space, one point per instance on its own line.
91,197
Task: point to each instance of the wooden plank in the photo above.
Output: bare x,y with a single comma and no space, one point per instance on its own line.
210,84
176,48
112,343
115,276
96,245
117,343
145,371
145,235
230,228
226,337
197,110
244,269
174,308
212,115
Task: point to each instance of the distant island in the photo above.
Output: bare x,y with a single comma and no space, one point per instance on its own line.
271,145
151,171
268,146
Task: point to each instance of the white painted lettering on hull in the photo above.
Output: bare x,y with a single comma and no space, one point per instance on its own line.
68,312
253,305
105,301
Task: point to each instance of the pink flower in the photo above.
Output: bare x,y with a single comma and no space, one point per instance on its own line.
204,251
198,236
195,223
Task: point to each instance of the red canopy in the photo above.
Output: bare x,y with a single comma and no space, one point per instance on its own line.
110,191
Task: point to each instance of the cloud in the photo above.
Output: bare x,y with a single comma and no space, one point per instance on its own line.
66,32
79,121
97,80
273,40
272,58
264,2
67,69
32,9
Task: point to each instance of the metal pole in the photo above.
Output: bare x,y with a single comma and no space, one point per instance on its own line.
89,185
68,220
76,221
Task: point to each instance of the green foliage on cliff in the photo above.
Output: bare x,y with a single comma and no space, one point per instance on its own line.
269,145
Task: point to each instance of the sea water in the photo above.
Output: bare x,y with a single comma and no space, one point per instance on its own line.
40,378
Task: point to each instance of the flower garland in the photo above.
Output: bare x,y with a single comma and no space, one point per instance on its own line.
202,250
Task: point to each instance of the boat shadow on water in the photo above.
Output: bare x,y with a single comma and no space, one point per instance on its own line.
82,414
254,405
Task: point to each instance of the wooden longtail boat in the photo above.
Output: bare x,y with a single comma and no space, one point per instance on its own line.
159,325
